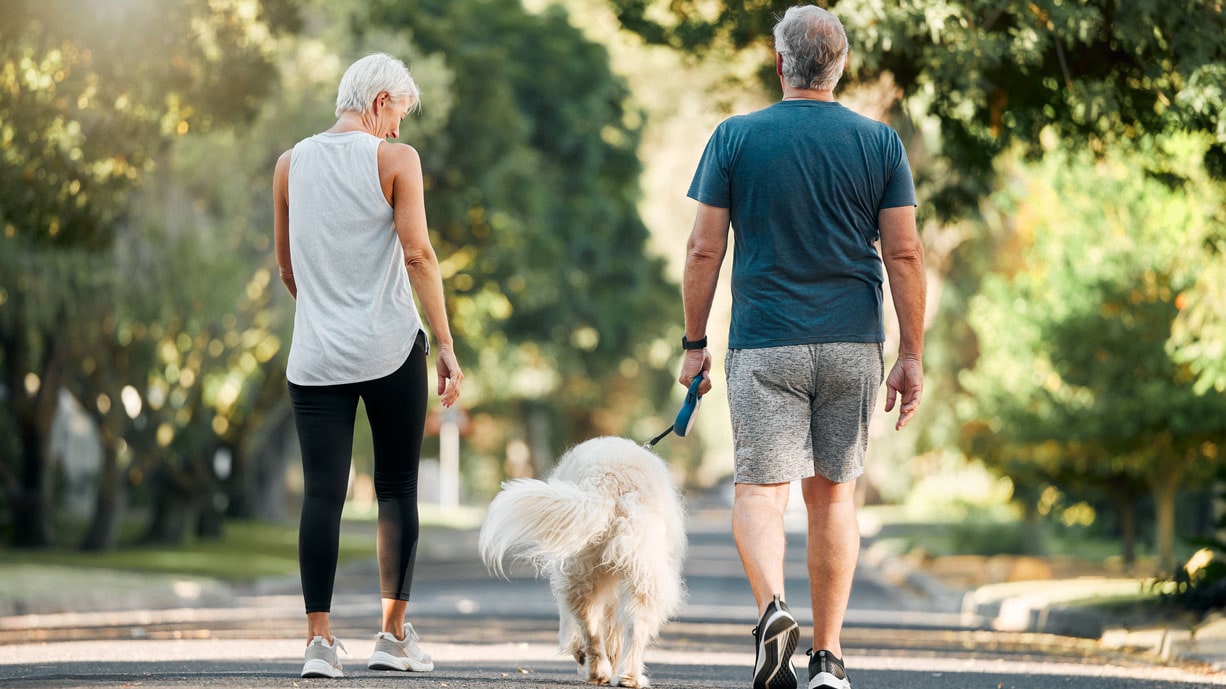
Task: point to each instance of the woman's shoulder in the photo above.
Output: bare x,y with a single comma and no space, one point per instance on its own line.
396,155
397,149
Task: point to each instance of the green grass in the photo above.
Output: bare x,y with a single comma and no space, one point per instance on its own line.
990,534
462,517
246,551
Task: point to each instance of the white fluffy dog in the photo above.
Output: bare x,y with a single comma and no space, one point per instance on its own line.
608,528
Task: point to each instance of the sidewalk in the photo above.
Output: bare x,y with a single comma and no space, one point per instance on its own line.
1081,606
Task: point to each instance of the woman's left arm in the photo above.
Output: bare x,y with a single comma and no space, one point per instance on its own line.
409,205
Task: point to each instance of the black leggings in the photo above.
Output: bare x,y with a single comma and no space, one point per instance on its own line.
324,416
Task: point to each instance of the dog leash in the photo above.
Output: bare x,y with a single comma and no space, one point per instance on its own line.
685,416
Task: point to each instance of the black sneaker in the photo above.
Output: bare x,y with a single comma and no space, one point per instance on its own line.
826,671
776,636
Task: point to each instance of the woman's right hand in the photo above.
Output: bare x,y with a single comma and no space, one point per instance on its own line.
449,375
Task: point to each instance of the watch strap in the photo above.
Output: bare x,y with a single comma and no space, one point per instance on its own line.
694,344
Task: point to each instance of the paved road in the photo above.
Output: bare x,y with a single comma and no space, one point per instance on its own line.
486,632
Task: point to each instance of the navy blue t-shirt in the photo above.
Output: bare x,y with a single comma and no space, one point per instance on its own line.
803,181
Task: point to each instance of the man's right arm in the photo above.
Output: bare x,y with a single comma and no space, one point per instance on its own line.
704,255
903,256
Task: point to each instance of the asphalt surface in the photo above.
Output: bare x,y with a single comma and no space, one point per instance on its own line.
487,632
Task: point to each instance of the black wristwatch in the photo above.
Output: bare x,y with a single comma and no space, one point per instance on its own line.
696,344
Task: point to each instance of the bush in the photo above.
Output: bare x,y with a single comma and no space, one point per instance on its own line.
1199,584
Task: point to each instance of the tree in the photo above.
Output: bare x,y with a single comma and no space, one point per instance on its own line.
1073,377
85,111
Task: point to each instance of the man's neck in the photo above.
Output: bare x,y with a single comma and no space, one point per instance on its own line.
790,93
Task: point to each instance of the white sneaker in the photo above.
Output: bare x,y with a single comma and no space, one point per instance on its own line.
395,654
321,659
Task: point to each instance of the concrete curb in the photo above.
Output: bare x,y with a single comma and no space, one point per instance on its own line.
1202,642
1064,607
899,572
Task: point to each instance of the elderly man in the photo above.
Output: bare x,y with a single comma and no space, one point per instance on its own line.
809,187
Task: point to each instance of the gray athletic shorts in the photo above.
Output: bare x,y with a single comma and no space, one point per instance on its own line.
802,410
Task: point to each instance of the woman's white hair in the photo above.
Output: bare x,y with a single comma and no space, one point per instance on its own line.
369,76
813,46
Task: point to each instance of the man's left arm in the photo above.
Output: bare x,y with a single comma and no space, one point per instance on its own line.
903,256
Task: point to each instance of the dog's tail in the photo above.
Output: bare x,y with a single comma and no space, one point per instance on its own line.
541,522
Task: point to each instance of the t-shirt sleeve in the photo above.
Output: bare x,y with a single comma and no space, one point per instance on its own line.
899,186
711,183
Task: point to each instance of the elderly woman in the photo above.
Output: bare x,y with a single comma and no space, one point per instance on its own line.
353,248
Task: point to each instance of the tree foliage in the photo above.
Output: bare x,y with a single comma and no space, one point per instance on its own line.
91,92
1074,381
994,76
91,97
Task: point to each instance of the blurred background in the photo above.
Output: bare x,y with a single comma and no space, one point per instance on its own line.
1070,159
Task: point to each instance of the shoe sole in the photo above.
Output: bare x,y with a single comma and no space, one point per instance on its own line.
825,680
380,660
321,668
778,643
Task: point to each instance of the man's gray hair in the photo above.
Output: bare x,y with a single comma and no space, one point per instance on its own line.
370,75
814,48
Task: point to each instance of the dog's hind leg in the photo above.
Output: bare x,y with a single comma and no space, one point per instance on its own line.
570,638
613,631
586,599
639,621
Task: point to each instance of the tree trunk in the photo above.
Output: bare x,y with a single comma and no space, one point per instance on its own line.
32,418
539,446
1126,511
176,510
210,519
32,518
256,486
1165,488
210,495
1032,522
1218,507
32,526
109,509
186,485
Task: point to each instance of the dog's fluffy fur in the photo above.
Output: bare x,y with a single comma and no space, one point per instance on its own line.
608,528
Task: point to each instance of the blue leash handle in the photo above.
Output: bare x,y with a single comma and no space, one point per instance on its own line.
685,416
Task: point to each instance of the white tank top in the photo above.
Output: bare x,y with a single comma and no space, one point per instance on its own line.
355,318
